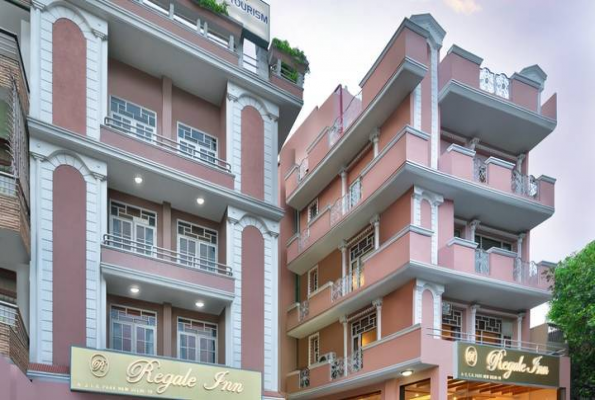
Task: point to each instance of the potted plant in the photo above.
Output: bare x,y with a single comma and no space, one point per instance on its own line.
293,60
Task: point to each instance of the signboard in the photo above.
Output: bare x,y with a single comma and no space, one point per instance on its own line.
111,372
496,364
255,16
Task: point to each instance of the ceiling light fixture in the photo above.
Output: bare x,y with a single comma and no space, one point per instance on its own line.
200,304
407,372
138,179
200,201
134,290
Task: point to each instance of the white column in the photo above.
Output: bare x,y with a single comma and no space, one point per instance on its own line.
471,328
435,138
273,158
519,245
343,249
375,221
101,208
35,263
519,327
230,133
231,308
35,59
102,312
343,320
378,304
519,163
343,175
274,311
375,138
472,228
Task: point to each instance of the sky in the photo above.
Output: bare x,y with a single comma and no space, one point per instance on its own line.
343,38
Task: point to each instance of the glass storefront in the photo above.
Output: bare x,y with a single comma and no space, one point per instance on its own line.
468,390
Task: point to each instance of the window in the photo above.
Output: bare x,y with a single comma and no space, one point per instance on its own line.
458,233
197,340
132,228
356,252
452,322
313,280
197,144
492,330
133,330
313,349
296,221
312,210
486,243
133,118
198,246
355,193
363,331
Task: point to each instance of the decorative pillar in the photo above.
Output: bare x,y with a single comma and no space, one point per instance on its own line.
343,320
519,328
343,175
343,249
519,245
378,304
375,138
167,330
519,163
375,221
471,328
472,144
472,228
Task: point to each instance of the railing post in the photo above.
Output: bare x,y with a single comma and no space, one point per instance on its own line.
378,304
519,324
231,45
171,11
206,29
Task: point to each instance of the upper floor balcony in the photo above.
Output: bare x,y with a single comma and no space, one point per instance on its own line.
14,340
398,70
504,111
14,153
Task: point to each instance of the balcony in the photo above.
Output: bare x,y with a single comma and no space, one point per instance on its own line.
167,152
380,273
14,153
14,341
398,70
379,188
167,274
497,174
504,112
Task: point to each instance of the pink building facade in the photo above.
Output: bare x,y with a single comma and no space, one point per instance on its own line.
144,219
405,264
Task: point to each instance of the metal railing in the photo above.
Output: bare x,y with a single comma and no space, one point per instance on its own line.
540,348
17,347
527,272
168,145
303,240
302,169
344,204
524,185
342,367
180,258
304,378
480,170
185,18
348,283
482,262
493,83
303,310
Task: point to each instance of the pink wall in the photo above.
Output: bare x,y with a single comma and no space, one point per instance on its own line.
252,299
69,76
524,95
69,238
252,153
446,223
455,67
397,309
426,214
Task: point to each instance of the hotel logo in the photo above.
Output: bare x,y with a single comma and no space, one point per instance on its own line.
471,356
99,365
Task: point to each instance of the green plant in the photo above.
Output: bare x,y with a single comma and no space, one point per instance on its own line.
573,311
213,5
294,52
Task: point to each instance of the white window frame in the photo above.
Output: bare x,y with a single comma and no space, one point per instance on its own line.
134,325
313,269
195,146
135,221
134,122
310,350
180,236
198,337
310,216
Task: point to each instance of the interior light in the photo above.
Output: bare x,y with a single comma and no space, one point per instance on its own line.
200,304
407,372
200,201
138,179
134,290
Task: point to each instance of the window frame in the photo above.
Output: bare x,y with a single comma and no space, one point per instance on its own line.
501,241
198,336
134,221
310,271
311,338
197,150
141,137
134,325
310,216
198,241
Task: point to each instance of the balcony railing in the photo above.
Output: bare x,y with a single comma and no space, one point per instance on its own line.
540,348
528,273
348,283
341,367
524,185
180,258
482,262
304,310
304,378
14,341
493,83
168,145
480,170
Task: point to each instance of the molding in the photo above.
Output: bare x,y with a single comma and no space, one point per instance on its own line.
500,163
48,376
428,22
460,149
527,80
547,179
393,335
462,242
535,73
321,212
294,305
467,55
547,264
502,252
320,289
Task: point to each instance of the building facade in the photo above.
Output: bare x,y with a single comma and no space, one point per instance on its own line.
139,199
405,263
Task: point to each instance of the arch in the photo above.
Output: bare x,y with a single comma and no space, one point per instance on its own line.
65,157
69,265
69,76
253,153
251,220
245,100
61,9
421,312
425,219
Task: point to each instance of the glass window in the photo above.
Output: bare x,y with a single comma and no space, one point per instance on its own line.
355,193
313,280
197,246
132,118
314,349
356,252
312,210
487,243
197,340
452,322
197,144
132,228
133,330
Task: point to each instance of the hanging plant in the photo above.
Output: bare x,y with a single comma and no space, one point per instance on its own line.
295,53
213,5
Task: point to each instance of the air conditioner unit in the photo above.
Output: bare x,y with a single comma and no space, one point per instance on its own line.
328,357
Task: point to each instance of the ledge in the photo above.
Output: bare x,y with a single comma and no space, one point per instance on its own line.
500,163
502,252
462,242
467,55
548,179
460,149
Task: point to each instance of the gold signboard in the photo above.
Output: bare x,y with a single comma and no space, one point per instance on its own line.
111,372
496,364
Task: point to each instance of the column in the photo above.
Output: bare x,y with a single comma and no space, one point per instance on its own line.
375,221
343,176
519,245
101,210
166,228
519,163
167,330
103,315
343,320
166,109
378,304
472,228
471,327
519,328
343,249
375,138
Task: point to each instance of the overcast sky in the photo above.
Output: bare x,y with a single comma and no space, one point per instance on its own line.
343,38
